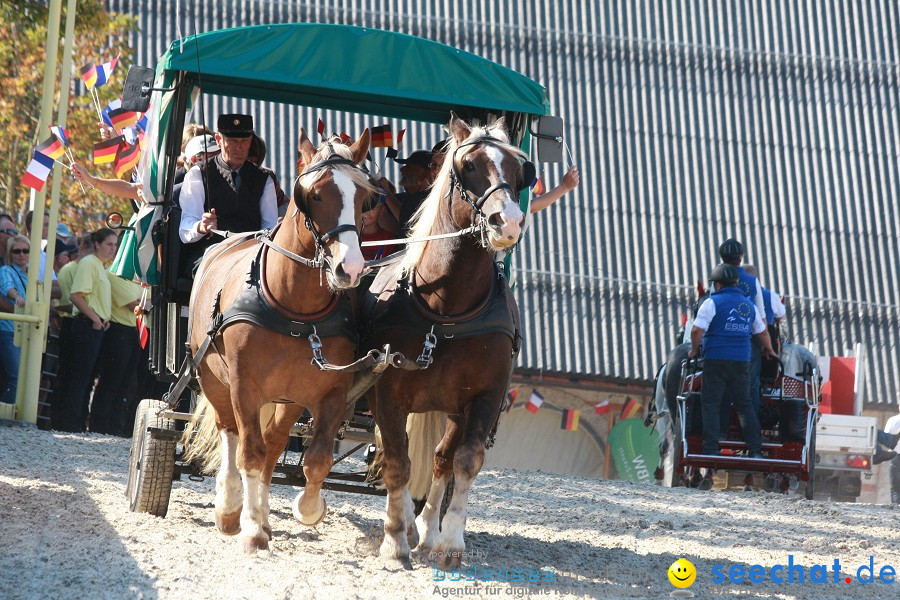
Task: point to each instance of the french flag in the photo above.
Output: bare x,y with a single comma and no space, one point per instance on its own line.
534,403
38,171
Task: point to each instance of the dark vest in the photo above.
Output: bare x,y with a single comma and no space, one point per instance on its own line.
237,211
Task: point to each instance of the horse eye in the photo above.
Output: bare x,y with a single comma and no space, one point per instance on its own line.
469,166
316,197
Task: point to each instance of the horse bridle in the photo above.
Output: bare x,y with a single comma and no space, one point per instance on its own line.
477,204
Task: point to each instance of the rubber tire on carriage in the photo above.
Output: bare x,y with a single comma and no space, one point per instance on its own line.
674,479
152,461
811,460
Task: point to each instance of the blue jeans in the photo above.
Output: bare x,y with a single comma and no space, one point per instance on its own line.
9,358
719,377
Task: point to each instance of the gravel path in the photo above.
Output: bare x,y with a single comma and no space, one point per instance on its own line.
67,533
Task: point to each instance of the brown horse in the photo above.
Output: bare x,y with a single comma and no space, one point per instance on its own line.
448,292
258,381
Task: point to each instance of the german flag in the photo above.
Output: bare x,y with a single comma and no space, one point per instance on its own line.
630,408
127,157
570,420
106,152
51,147
382,137
89,74
121,118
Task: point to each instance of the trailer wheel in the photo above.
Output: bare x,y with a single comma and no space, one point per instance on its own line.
811,466
152,461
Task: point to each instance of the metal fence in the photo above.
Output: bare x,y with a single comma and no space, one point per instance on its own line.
773,122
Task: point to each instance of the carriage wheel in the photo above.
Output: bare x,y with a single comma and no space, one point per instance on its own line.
811,465
672,478
152,463
135,448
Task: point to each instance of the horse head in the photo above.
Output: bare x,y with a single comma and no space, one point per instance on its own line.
330,192
489,173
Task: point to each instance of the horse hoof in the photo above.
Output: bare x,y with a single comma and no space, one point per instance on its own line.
446,559
252,544
229,524
392,549
268,531
313,519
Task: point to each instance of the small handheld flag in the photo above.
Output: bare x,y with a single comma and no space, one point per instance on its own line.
106,152
392,153
382,137
38,171
534,402
630,408
321,127
537,188
601,408
104,71
570,420
400,138
113,105
61,134
89,74
120,119
51,147
511,398
345,138
127,157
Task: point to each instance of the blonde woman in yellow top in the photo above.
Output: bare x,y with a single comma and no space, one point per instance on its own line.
91,295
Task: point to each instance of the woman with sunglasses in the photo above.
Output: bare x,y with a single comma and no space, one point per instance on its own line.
13,281
91,295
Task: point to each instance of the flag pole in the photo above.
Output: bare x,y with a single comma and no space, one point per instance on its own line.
609,427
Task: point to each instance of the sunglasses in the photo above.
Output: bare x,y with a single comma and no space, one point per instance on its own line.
10,231
20,251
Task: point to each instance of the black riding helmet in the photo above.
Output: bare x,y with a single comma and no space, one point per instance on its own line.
725,274
731,250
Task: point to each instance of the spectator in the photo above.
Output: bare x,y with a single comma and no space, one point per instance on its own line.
91,295
570,181
7,230
117,360
13,282
892,428
61,257
54,286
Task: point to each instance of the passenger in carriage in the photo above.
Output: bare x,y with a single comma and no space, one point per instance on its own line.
418,172
257,155
241,196
732,252
724,324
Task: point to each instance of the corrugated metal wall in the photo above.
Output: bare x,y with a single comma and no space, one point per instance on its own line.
774,122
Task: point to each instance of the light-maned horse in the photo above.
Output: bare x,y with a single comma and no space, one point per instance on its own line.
257,381
446,283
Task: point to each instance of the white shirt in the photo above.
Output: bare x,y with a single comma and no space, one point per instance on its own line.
192,201
777,305
708,310
893,426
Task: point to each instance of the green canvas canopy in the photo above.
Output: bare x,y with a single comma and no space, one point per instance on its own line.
355,69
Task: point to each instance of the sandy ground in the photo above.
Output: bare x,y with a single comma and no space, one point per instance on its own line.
67,532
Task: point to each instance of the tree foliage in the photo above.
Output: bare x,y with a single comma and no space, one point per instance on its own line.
99,36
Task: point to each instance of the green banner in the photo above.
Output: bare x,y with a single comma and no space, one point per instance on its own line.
635,450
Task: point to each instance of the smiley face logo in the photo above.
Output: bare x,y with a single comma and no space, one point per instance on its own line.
682,573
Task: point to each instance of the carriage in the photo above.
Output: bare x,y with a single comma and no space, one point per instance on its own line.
789,400
302,65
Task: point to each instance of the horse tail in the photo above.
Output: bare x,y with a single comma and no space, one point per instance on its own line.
424,432
201,438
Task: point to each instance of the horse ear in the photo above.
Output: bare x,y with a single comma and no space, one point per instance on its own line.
360,148
305,149
459,129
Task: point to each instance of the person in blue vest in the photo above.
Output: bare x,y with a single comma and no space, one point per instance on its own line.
732,252
724,325
774,308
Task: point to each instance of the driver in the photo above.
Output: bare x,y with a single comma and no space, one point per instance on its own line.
240,196
725,323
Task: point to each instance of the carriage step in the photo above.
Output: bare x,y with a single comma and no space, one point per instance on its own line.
744,462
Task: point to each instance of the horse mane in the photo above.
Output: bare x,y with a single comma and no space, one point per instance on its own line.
422,221
334,146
